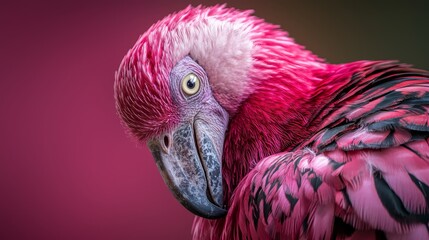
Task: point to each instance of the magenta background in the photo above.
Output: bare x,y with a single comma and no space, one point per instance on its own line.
67,169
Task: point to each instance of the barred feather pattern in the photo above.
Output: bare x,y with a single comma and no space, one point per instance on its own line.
363,174
313,150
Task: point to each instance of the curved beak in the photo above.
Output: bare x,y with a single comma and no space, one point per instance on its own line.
190,161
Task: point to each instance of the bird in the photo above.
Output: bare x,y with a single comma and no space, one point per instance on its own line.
262,139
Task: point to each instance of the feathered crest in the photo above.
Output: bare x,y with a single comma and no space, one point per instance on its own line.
235,49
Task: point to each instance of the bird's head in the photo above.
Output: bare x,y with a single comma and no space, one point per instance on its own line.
183,80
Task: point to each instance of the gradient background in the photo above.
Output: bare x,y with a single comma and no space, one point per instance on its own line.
67,169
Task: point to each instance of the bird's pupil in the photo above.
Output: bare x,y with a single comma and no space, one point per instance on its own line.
191,83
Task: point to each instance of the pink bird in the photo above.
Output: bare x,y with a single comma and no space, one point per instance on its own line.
262,139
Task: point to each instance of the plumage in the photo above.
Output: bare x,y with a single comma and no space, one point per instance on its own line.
311,150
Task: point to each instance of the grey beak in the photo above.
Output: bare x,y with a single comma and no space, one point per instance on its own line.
190,161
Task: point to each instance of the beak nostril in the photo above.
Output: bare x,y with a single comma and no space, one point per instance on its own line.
166,142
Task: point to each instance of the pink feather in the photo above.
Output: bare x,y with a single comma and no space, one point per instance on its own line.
313,150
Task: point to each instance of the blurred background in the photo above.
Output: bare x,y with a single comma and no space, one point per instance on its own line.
68,170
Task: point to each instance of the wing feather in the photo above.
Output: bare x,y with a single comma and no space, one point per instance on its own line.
365,172
380,142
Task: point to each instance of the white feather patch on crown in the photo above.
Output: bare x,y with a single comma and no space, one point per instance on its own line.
223,49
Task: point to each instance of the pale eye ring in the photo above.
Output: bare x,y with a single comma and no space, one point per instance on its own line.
190,84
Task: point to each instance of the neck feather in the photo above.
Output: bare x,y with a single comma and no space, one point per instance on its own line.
274,118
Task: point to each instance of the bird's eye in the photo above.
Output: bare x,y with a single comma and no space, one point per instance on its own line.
190,84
